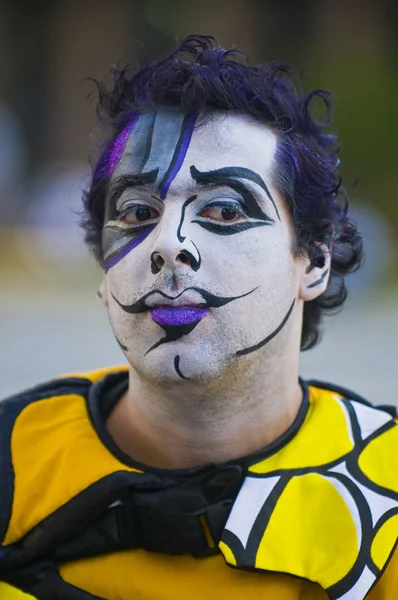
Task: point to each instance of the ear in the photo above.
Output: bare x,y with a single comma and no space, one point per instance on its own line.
102,293
315,277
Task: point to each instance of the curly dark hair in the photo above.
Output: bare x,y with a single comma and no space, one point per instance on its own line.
201,76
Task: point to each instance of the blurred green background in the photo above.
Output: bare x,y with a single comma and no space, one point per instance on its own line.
49,320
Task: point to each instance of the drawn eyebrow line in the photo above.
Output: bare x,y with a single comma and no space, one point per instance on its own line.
130,181
218,175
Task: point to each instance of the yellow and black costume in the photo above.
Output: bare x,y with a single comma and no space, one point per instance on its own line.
313,516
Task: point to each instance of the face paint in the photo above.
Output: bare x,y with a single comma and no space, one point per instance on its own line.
270,336
177,367
176,319
177,316
179,153
197,245
320,280
228,173
171,132
119,145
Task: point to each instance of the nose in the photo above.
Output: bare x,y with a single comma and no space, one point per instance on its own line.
173,248
160,261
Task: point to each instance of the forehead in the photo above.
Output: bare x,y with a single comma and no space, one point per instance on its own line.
171,141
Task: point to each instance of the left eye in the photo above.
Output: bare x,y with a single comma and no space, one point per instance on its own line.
138,214
221,213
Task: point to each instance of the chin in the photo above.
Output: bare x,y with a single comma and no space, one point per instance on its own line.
179,363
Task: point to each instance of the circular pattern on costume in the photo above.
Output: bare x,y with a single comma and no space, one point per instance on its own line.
329,515
382,472
385,538
283,544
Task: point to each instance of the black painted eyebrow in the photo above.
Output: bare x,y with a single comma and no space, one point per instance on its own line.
221,175
130,181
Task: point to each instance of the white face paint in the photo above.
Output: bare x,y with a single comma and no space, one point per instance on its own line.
200,272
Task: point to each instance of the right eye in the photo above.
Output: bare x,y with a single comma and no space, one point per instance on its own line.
138,214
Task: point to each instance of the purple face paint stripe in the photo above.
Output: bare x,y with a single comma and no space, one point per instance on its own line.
113,260
119,145
188,126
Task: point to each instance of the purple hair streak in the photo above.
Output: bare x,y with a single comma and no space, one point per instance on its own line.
119,145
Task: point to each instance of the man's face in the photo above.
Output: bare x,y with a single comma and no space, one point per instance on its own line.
200,273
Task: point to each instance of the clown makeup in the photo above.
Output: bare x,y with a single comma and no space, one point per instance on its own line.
197,244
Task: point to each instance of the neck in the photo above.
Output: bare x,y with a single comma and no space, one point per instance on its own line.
186,425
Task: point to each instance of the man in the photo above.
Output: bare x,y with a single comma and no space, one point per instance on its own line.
206,468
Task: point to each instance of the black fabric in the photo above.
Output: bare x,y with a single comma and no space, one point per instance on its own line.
104,395
111,394
43,581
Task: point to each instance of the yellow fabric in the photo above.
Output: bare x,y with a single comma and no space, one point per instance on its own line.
183,578
97,374
292,529
45,480
7,592
386,588
384,539
322,438
152,576
383,471
228,554
311,532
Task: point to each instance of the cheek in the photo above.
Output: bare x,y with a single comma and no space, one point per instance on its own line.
263,258
125,279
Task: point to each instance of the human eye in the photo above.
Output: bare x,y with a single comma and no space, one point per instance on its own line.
137,214
228,212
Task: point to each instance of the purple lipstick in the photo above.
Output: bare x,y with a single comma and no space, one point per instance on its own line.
178,315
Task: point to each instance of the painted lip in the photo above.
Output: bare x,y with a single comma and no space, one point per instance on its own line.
187,299
177,315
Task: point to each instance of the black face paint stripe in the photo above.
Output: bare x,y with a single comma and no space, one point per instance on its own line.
173,333
124,348
184,206
167,131
268,338
232,172
320,280
211,300
229,229
179,153
194,262
177,367
199,261
148,142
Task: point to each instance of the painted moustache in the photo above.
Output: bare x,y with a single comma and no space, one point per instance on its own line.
183,309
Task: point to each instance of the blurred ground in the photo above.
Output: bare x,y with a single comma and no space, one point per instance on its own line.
53,331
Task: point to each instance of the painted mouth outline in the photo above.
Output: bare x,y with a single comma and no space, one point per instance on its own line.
210,300
176,332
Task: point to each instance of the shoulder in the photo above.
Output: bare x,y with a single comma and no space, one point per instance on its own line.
324,504
364,420
54,392
36,425
352,396
63,385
